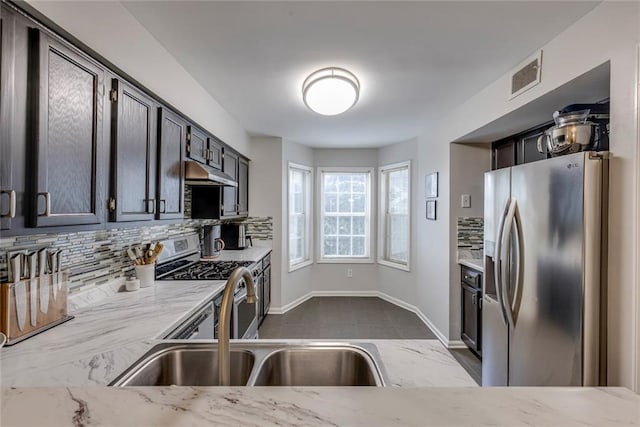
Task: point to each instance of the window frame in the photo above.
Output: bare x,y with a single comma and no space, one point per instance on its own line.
370,216
308,201
383,197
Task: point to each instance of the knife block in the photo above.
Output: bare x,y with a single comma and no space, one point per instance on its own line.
54,314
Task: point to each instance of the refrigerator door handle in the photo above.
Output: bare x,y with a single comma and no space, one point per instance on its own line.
517,290
499,262
505,247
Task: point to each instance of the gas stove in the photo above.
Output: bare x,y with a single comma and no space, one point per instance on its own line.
203,270
181,261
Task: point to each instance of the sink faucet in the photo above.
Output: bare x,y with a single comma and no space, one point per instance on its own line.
224,324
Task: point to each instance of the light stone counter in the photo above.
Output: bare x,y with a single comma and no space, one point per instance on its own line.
319,406
476,264
104,338
253,254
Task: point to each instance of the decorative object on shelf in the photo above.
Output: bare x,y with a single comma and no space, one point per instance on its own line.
431,185
431,210
330,91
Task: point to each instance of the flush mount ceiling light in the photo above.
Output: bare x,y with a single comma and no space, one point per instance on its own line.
330,91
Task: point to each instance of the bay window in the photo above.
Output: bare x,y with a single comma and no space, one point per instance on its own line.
345,214
395,215
300,216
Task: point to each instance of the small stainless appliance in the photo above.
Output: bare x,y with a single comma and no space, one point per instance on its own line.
212,243
181,260
235,236
544,291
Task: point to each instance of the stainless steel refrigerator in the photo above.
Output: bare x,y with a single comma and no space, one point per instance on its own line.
543,311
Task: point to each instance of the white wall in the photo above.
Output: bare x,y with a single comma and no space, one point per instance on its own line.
394,282
468,163
109,29
265,200
617,38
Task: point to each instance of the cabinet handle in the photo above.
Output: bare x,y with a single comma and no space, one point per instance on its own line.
153,205
207,154
12,204
163,206
47,203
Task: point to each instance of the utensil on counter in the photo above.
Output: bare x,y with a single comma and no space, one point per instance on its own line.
59,280
19,289
52,270
44,280
33,287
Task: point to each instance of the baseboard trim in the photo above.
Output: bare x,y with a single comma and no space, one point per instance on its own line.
293,304
419,313
453,344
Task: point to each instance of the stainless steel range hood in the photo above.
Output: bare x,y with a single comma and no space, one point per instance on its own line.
199,174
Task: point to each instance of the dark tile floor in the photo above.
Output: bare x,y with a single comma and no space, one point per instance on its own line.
469,362
345,317
356,318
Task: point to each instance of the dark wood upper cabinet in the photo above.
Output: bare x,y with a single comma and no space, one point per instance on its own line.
172,137
243,187
204,148
215,153
8,192
133,156
67,104
197,144
230,194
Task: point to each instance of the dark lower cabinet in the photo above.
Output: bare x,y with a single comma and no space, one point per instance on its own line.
264,288
172,131
67,134
266,293
133,155
471,325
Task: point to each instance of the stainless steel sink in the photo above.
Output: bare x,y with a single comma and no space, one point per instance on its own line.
186,365
319,366
256,363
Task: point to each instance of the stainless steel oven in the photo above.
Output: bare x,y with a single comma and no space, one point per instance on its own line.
244,319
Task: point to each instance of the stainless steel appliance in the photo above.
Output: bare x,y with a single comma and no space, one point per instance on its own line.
197,173
235,236
212,243
579,127
201,325
181,260
544,308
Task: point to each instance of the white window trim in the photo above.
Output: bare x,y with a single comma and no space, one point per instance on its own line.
381,218
309,226
319,222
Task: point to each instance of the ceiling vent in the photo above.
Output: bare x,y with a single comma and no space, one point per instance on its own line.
526,75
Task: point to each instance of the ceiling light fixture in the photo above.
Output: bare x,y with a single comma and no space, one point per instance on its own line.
330,91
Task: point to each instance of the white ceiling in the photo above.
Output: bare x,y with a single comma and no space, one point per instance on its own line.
415,60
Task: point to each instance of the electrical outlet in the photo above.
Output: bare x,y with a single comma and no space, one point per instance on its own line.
466,201
349,272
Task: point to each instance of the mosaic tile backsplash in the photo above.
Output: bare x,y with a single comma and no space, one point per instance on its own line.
95,257
470,232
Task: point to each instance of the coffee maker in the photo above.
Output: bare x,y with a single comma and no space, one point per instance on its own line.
212,243
235,237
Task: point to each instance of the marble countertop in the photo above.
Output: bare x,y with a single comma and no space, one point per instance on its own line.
104,338
320,406
476,264
254,253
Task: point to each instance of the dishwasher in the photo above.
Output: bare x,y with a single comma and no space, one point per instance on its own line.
202,325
